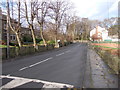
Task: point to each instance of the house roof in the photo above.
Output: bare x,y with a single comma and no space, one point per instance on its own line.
100,29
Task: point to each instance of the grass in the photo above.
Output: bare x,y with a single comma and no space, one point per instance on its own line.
105,42
3,46
105,47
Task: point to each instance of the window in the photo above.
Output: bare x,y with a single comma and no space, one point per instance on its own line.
12,37
29,32
4,26
5,31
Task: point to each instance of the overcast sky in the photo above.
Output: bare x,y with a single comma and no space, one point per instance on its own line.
96,9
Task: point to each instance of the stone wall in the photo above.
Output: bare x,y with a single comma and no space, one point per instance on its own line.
25,50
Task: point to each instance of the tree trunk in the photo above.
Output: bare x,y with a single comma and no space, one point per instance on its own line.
56,43
41,34
18,40
33,36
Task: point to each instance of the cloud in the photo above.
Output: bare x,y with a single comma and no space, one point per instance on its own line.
93,9
113,10
96,9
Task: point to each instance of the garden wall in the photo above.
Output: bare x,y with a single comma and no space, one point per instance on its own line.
25,50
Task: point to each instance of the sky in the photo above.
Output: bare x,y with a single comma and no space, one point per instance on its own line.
96,9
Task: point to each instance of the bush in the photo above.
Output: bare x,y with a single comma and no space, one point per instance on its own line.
65,43
13,44
28,43
41,42
51,42
27,38
38,40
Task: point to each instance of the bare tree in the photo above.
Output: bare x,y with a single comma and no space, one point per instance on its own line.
86,27
72,27
31,19
107,23
58,8
67,22
12,23
42,10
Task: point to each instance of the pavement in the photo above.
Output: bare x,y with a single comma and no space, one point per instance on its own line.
73,66
102,75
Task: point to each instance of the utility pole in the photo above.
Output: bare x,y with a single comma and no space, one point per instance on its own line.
0,25
8,35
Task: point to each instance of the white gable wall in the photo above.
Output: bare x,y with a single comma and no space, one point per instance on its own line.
101,30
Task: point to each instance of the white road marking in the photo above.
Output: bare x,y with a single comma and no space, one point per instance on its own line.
35,64
15,83
67,51
8,75
40,62
52,86
19,81
23,68
60,54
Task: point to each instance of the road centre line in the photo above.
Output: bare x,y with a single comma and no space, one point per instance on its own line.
67,51
40,62
36,64
23,68
60,54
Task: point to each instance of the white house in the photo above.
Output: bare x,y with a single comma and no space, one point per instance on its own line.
99,34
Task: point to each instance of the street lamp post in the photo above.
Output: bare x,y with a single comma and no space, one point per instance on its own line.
8,47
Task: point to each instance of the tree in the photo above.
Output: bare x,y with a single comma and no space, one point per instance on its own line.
30,19
74,27
58,8
106,23
113,30
67,22
86,27
12,23
42,10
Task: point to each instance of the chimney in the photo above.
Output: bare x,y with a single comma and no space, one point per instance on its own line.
96,29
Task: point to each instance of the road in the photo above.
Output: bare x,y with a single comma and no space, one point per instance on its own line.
63,67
